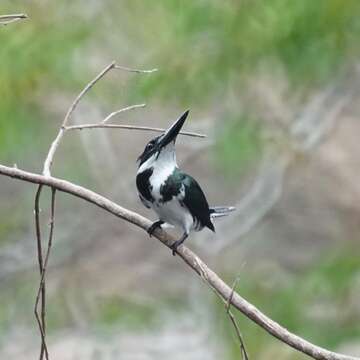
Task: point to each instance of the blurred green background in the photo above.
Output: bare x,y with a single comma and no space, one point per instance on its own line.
274,84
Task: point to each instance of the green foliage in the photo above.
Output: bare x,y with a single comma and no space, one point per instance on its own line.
116,311
203,48
207,50
237,145
16,305
9,224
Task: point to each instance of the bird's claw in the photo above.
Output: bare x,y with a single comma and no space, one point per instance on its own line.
153,227
174,247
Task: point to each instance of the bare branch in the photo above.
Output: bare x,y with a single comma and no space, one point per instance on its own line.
50,157
8,19
128,108
129,127
85,90
135,70
190,258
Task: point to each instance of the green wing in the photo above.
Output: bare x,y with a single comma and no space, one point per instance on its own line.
195,201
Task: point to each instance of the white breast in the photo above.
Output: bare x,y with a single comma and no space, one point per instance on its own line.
161,172
172,212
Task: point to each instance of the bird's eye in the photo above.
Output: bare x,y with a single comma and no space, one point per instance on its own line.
149,146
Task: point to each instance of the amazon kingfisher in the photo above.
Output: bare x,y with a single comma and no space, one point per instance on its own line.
175,196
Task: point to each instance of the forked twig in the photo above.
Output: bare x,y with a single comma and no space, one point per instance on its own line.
50,156
85,90
41,294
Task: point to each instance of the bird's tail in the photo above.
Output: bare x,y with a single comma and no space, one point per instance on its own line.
220,211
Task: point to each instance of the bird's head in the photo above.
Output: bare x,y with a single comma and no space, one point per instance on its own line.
162,146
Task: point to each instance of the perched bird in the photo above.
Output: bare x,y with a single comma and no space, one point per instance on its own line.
175,196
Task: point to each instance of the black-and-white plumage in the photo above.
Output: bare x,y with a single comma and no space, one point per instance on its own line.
175,196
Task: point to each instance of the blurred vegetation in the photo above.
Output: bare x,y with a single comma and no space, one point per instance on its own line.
36,55
116,311
205,50
207,47
310,304
208,50
238,144
318,304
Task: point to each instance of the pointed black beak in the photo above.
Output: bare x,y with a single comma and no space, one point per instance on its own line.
173,131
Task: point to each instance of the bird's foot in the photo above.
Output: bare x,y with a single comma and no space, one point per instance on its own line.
154,226
177,243
174,246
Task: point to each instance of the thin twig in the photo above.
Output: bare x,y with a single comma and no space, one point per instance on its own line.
42,284
227,302
50,156
244,353
128,127
135,70
8,19
51,232
117,112
41,294
85,90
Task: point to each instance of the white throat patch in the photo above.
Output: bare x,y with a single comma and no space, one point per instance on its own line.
166,158
163,165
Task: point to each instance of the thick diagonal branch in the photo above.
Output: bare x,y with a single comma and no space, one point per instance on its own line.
190,258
